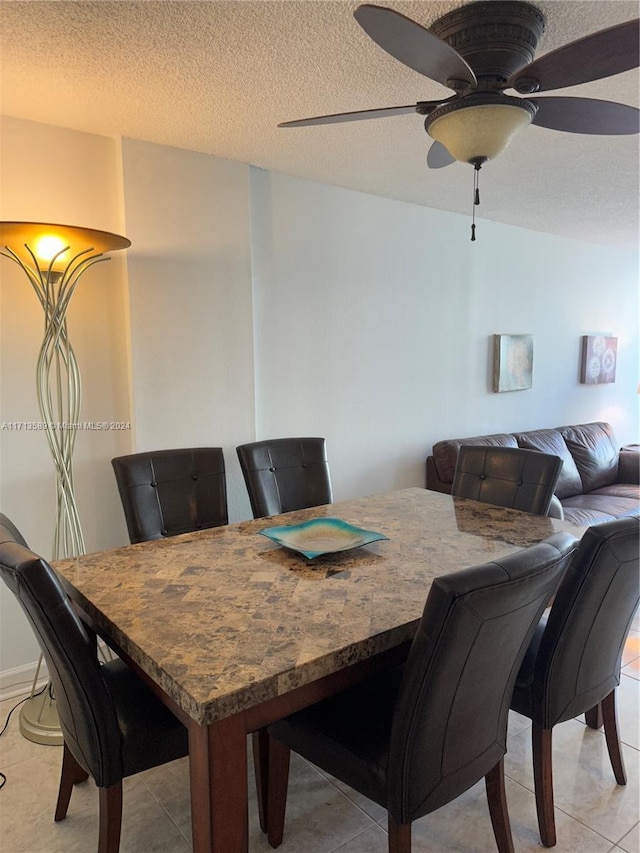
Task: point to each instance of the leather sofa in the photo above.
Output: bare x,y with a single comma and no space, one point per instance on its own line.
598,481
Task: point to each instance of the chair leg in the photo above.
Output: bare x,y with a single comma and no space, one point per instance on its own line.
593,717
613,737
260,743
497,799
110,818
71,774
543,783
278,758
399,836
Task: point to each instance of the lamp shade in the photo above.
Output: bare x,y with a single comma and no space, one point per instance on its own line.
47,240
477,129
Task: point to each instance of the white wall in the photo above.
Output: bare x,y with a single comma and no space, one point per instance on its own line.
54,175
373,325
191,314
254,305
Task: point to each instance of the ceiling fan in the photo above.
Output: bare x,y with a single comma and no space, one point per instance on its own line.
479,51
486,47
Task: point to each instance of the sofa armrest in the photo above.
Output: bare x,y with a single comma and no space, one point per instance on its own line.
629,466
434,483
555,509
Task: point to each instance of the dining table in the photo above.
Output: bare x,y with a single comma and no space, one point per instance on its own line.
232,631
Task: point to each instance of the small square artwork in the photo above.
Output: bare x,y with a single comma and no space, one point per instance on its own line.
512,362
599,356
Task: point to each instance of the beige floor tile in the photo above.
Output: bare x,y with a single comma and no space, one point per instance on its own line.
31,787
631,842
632,669
374,840
584,786
375,811
517,723
6,705
15,748
169,784
593,815
145,829
631,651
28,802
319,817
465,825
628,705
631,656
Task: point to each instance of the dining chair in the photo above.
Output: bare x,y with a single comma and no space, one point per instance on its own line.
285,474
507,476
417,736
573,663
168,492
9,532
113,726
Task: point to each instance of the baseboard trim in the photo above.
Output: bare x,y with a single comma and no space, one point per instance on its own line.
19,680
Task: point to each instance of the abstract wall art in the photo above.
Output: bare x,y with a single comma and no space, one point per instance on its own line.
512,362
599,357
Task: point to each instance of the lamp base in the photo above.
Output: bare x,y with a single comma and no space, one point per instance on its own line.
39,721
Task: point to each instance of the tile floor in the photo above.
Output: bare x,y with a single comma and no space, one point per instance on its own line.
593,814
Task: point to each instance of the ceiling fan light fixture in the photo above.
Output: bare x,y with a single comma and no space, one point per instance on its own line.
479,127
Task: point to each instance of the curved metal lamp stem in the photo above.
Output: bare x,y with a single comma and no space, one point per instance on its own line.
59,388
59,391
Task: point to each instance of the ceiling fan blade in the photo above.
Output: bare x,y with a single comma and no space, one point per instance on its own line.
413,45
601,54
358,115
586,115
439,157
422,107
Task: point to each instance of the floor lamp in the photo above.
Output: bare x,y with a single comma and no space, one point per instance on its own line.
54,257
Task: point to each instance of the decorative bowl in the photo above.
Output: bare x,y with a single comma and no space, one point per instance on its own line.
321,536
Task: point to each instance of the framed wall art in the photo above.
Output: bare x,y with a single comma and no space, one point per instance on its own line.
512,362
598,361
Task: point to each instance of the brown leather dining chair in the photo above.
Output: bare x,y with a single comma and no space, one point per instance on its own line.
168,492
285,474
572,666
113,726
507,476
416,737
9,532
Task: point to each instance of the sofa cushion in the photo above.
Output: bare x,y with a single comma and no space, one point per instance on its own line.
620,490
551,441
445,453
594,508
594,450
629,466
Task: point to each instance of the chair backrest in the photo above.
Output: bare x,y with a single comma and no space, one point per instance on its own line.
579,657
450,721
507,476
9,532
167,492
85,707
285,474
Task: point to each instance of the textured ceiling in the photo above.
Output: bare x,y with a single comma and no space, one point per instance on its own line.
217,77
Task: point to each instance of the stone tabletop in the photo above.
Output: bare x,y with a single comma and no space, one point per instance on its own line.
224,619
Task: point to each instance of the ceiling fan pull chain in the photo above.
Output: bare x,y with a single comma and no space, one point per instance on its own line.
476,199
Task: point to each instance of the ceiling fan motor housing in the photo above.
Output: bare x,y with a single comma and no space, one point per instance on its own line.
495,37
